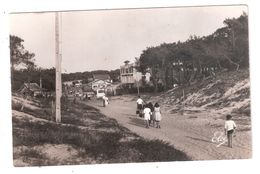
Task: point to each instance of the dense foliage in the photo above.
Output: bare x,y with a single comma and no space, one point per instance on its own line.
47,76
19,55
198,57
24,70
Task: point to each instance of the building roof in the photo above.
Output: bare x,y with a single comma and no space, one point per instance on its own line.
127,65
31,86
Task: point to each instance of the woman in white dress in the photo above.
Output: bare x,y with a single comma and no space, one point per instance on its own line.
157,115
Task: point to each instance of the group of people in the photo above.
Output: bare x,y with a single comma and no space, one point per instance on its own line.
152,116
150,113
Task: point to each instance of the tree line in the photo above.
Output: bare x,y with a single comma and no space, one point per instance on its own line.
47,77
114,74
24,69
198,57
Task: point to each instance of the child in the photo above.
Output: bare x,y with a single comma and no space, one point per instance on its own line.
230,127
157,115
140,103
152,119
147,114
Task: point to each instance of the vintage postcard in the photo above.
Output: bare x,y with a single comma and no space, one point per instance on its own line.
130,85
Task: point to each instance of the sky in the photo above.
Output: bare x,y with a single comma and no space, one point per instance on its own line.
104,39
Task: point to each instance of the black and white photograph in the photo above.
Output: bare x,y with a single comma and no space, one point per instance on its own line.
130,85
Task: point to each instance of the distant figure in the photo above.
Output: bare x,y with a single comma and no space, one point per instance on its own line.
105,101
230,127
140,103
147,113
152,119
157,115
88,96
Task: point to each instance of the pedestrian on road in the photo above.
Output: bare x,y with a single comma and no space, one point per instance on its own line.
157,115
230,127
147,115
105,101
140,103
152,120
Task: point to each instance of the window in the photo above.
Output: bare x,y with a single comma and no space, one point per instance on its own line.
131,70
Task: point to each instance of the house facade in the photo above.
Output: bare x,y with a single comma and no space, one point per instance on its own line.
129,75
32,89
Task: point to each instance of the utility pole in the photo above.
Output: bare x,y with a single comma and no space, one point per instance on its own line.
183,104
138,88
58,65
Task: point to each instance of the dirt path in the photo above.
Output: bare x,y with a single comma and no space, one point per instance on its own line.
191,133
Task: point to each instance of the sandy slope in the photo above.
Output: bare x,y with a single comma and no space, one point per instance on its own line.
191,132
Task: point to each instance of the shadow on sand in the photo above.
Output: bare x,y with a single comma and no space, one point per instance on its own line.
136,121
199,139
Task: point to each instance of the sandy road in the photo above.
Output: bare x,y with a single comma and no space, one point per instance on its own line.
190,133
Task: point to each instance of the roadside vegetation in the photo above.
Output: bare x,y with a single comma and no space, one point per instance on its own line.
88,136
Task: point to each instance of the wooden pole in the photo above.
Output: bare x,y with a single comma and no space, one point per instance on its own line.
183,106
58,66
138,88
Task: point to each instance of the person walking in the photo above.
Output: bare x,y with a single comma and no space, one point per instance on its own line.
105,101
147,115
152,119
140,103
157,115
230,127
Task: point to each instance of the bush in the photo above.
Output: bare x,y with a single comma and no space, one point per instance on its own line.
16,106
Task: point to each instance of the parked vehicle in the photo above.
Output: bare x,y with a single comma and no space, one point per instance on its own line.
100,93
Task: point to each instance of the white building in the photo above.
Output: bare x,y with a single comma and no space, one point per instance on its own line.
128,74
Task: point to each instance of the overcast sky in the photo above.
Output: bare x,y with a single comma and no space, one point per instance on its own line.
104,39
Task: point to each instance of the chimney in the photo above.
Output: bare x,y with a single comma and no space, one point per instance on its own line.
126,62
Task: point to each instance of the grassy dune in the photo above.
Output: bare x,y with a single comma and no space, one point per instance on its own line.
84,137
